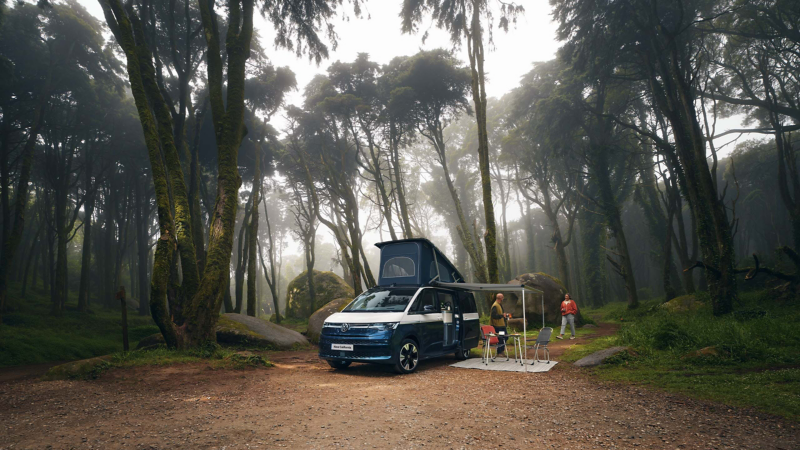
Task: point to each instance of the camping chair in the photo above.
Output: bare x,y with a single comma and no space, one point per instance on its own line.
488,343
541,341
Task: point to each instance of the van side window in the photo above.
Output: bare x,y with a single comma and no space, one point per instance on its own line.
399,266
445,300
467,304
426,297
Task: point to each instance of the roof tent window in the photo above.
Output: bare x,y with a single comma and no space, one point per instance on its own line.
443,273
399,266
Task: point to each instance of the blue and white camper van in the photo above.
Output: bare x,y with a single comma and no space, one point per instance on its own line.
408,316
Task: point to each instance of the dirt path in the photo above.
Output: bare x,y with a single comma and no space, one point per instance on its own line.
302,403
559,346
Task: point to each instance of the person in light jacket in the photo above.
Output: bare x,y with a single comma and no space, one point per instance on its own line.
568,311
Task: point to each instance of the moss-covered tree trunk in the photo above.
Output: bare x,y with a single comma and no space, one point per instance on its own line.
675,98
398,181
142,246
468,240
475,51
228,117
120,25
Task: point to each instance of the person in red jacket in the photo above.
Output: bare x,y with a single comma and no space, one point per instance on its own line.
568,311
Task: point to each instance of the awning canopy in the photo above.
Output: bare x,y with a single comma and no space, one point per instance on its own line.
501,288
486,287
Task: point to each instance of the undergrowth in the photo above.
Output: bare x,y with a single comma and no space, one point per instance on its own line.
29,334
748,358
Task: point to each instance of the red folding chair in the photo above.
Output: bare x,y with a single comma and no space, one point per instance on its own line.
488,343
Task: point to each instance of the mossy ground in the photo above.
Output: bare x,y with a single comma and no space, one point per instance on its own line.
30,335
215,356
757,360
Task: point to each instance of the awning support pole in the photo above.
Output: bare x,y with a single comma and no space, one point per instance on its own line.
524,333
542,310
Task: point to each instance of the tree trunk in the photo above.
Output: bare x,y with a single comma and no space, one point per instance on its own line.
399,186
675,98
252,270
143,247
475,51
33,258
86,253
14,236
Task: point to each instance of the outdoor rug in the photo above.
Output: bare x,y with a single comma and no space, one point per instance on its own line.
505,366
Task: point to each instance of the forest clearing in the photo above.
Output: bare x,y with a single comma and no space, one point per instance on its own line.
303,403
281,223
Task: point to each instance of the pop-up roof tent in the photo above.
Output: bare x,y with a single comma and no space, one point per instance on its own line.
418,262
414,262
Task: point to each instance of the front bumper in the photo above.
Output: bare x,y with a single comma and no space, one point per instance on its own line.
375,347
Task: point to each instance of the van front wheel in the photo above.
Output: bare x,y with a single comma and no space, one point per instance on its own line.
407,357
462,354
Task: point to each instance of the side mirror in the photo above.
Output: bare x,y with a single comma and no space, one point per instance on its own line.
429,308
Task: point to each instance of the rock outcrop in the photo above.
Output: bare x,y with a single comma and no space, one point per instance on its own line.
240,329
597,358
327,286
553,291
318,318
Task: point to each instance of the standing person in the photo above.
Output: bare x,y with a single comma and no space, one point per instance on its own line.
568,311
499,321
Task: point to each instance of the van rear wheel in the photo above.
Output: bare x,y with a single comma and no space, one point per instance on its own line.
462,354
339,364
407,357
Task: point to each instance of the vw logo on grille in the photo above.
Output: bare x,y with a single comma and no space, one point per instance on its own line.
345,327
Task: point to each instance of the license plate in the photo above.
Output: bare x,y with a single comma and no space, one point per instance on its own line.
348,347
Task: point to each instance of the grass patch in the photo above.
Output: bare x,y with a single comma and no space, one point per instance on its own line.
215,356
30,335
578,351
748,358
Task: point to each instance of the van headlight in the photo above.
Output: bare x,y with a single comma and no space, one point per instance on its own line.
386,326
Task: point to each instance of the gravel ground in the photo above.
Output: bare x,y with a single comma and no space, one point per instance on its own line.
302,403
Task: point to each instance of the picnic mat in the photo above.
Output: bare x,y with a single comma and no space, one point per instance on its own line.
503,365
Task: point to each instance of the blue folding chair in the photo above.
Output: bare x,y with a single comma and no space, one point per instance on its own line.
541,342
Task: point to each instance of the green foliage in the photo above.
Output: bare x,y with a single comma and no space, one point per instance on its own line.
30,335
746,359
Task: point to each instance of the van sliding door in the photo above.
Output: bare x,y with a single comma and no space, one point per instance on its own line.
448,306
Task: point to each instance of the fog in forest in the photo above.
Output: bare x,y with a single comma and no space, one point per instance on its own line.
204,165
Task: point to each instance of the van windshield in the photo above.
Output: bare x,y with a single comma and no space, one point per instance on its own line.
381,300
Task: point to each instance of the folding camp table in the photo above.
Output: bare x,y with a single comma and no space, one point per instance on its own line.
501,288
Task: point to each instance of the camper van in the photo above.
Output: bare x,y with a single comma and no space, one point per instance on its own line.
409,316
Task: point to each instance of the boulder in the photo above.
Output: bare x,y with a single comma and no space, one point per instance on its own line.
684,303
79,370
597,358
240,329
327,286
554,292
151,341
318,318
516,324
